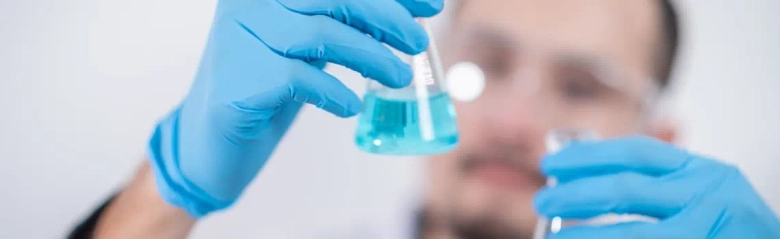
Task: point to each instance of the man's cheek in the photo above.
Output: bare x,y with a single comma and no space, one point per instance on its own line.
466,111
469,125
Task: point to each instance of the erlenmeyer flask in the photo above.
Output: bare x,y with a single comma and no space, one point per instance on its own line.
416,120
555,141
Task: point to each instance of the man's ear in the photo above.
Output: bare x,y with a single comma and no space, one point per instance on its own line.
665,130
662,123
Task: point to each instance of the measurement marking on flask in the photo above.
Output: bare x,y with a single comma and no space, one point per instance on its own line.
423,77
423,73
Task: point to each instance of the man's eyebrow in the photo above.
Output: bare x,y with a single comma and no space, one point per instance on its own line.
483,35
581,59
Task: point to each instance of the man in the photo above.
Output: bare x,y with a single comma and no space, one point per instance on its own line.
592,65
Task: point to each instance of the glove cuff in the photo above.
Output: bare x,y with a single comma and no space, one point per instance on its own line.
173,187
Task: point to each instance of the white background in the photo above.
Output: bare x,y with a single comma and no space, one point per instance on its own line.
83,81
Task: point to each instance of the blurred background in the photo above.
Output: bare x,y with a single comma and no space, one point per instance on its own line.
82,83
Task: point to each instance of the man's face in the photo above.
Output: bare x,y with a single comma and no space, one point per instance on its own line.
547,64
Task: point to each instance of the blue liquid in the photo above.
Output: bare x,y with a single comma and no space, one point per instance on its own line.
392,127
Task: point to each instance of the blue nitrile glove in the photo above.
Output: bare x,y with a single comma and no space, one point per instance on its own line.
262,61
694,197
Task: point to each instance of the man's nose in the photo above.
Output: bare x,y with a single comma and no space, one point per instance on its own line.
511,117
513,111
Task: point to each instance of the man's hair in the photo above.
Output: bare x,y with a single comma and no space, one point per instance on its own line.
669,42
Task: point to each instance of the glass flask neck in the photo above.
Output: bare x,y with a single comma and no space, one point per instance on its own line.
426,66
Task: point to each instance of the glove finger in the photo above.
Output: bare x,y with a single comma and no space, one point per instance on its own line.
308,84
635,154
313,86
633,230
311,38
624,193
711,218
385,20
319,64
423,8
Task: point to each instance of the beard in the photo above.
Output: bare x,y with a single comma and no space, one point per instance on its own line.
486,228
488,225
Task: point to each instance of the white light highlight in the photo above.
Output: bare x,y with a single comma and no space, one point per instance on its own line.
465,81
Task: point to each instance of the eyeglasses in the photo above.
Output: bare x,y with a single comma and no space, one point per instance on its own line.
560,89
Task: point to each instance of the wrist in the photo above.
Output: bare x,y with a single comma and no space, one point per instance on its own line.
171,184
139,212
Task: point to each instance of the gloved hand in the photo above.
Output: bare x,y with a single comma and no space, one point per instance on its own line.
694,197
263,60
